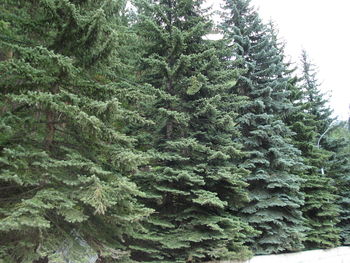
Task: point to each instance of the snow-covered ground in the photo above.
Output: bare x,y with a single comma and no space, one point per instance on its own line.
335,255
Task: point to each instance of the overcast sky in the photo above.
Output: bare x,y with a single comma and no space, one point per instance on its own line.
322,28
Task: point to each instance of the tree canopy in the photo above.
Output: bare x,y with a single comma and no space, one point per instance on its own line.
127,134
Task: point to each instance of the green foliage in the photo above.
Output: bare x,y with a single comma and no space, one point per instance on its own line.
194,183
128,136
274,184
339,169
65,163
309,121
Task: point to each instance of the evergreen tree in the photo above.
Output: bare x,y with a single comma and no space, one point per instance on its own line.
194,183
311,124
274,185
339,169
318,102
65,161
349,121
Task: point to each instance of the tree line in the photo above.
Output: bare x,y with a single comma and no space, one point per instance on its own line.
129,134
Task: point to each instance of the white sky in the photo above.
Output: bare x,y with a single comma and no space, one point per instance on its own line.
322,28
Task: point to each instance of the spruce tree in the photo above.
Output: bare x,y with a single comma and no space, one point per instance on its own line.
348,121
194,183
65,160
310,123
339,170
274,184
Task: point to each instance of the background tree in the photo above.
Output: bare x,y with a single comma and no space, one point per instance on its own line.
194,183
320,209
309,123
339,170
274,185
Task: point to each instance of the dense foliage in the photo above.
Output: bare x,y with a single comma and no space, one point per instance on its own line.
66,163
274,185
194,184
129,135
311,120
